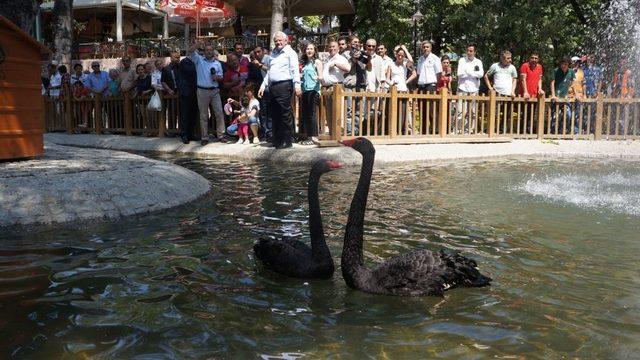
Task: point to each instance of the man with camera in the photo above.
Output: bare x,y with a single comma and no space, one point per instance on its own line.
209,74
354,81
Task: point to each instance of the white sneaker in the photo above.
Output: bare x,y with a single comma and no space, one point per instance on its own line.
246,141
256,140
239,141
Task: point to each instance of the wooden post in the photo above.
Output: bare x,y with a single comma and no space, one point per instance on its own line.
491,121
128,120
597,133
68,113
97,116
443,117
162,118
393,112
541,116
336,112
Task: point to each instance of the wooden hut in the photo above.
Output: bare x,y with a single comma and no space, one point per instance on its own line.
21,102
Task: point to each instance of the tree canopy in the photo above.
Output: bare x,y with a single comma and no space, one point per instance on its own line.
554,28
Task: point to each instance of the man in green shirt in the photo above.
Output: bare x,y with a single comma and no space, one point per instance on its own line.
560,85
562,80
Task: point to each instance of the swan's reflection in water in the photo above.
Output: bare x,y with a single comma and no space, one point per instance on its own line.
184,284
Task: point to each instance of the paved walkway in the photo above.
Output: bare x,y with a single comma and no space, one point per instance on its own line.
385,154
69,184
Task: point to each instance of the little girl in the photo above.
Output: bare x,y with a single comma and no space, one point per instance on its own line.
247,116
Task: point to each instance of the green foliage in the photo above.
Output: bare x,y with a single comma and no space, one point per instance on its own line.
310,23
553,28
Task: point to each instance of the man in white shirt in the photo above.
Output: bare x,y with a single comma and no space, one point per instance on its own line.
383,86
335,67
429,69
470,72
55,80
373,66
282,79
333,73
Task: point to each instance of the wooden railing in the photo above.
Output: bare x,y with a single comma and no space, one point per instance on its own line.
389,117
412,117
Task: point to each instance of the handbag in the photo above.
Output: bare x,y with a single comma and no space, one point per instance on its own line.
155,104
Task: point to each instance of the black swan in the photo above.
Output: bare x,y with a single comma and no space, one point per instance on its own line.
416,273
294,258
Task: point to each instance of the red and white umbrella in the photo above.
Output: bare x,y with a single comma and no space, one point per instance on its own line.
209,12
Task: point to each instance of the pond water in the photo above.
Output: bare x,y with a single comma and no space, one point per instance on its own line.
559,238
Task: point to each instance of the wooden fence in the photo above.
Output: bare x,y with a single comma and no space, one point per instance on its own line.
389,117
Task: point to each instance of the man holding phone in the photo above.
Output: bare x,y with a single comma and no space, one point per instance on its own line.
209,76
470,72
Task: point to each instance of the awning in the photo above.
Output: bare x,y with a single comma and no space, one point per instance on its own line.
126,4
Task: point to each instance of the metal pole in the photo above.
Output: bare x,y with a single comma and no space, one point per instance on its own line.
119,20
38,25
186,36
165,26
415,41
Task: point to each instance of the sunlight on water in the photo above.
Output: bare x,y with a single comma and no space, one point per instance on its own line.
614,191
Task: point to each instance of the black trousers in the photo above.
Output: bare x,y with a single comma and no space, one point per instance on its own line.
427,88
310,101
281,112
188,115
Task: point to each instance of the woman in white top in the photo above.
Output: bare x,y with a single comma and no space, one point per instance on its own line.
397,71
397,75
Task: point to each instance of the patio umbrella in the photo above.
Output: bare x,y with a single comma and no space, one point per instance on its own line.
210,13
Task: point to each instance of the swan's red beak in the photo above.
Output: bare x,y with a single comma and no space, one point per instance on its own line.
334,164
349,142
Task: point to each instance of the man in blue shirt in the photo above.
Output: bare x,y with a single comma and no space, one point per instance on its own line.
282,78
98,81
209,75
592,77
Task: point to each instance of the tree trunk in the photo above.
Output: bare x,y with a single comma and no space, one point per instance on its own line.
63,29
22,13
277,14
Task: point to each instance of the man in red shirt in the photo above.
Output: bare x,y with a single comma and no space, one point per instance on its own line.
531,77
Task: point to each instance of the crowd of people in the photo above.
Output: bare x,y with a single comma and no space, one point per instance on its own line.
254,92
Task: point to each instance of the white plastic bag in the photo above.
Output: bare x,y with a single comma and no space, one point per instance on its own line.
155,104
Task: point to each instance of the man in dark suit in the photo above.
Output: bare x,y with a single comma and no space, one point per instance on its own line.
187,85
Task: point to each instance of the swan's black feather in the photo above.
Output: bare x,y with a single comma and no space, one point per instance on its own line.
292,257
416,273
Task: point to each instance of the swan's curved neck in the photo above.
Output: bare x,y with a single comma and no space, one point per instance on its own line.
319,247
352,259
